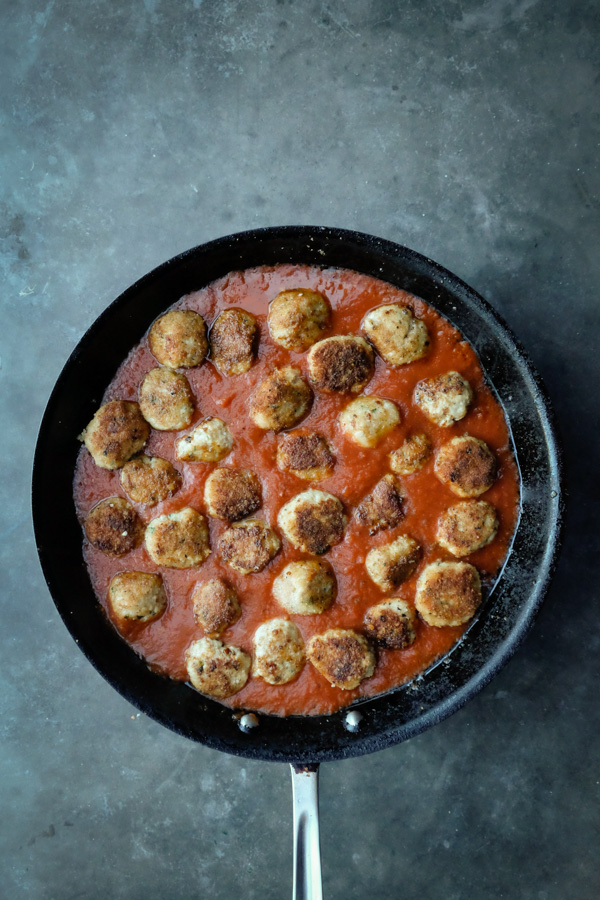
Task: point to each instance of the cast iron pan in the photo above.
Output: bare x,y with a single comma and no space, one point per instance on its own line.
505,616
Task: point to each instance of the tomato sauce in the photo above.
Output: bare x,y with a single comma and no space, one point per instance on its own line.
163,642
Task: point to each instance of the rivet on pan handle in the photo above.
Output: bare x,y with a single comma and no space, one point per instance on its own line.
307,850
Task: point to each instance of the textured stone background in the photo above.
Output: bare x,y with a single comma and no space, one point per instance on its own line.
131,131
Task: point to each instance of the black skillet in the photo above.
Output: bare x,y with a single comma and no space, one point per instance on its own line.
507,612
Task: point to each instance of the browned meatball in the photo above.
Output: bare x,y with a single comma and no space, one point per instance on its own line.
116,433
391,624
448,593
166,399
149,479
412,455
114,527
281,400
248,546
382,508
341,363
232,494
467,527
390,564
216,606
397,335
467,466
305,454
234,341
313,521
278,651
137,596
444,399
216,669
298,318
179,539
178,339
342,656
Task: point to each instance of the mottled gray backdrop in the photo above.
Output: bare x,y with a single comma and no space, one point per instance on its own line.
130,131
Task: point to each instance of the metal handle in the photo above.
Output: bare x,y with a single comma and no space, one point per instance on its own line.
307,851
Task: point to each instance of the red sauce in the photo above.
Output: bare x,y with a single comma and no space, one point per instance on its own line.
163,642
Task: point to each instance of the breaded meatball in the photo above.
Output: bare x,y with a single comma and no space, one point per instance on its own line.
166,400
448,593
341,363
149,479
278,651
298,318
216,606
248,546
306,454
210,441
391,564
467,466
412,455
391,624
444,398
313,521
178,540
382,508
467,527
114,527
137,596
305,587
342,656
216,669
281,400
232,494
234,341
116,433
398,337
178,339
367,420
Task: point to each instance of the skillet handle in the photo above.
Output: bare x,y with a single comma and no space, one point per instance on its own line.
307,851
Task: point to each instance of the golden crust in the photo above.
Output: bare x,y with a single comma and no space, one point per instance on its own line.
234,341
412,455
149,479
467,527
391,624
382,508
248,546
397,335
306,454
448,593
178,339
116,433
467,466
279,654
137,596
297,318
216,669
445,399
216,606
166,399
178,540
389,565
313,521
114,527
341,363
232,494
281,400
342,656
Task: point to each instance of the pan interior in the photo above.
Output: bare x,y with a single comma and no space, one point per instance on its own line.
506,615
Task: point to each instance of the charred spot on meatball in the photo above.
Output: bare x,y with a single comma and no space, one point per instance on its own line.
391,624
216,606
341,363
166,400
467,527
234,341
382,508
114,527
278,651
467,466
149,479
178,339
448,593
248,546
281,400
397,335
306,454
305,587
342,656
232,494
445,399
297,318
389,565
216,669
178,540
412,455
368,420
137,596
313,521
116,433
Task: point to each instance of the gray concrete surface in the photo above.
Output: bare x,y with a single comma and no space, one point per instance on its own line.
131,131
